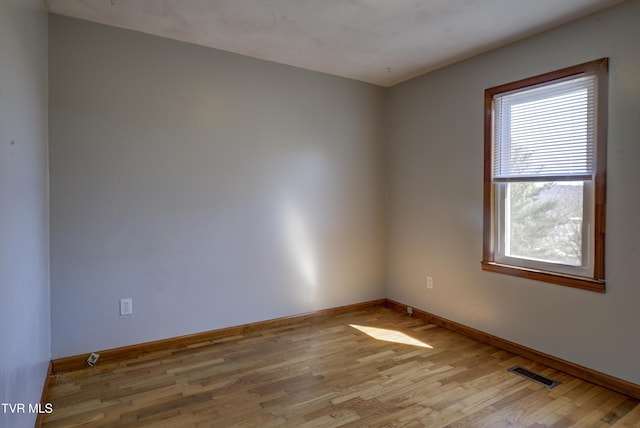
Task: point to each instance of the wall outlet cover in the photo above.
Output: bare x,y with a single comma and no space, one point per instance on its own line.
126,306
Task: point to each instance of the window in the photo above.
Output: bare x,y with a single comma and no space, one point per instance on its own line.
544,177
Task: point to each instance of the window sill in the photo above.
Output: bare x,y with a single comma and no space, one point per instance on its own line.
554,278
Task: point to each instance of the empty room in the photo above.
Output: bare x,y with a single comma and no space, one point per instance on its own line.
319,213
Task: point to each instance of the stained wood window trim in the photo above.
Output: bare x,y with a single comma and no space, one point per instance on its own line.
596,282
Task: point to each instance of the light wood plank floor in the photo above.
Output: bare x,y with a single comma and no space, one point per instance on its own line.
349,370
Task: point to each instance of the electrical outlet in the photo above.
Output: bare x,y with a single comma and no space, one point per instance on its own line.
92,359
429,282
126,306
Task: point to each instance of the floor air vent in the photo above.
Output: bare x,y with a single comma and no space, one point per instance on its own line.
537,378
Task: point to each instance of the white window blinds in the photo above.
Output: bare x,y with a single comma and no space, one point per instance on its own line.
546,132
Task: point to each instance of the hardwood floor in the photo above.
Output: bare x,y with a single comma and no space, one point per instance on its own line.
369,368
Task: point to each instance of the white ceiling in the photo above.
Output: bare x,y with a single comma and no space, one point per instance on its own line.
377,41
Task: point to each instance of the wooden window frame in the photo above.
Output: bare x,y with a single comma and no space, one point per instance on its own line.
597,281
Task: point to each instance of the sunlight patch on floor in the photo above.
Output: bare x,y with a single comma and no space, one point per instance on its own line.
390,336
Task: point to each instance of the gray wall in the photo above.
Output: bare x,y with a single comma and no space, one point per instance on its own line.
435,217
214,189
24,221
